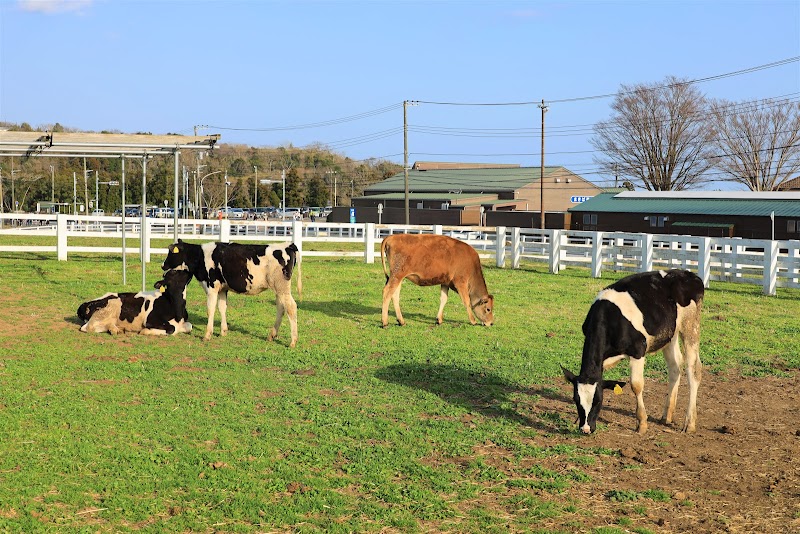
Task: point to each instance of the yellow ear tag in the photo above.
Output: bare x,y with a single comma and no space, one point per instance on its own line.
163,289
175,250
617,390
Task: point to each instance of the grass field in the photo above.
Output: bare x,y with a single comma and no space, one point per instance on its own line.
356,429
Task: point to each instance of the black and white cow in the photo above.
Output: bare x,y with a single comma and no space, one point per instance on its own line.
161,312
639,315
245,269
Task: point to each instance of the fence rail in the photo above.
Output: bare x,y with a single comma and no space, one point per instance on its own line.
771,264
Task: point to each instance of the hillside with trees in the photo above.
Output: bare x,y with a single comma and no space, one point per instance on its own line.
314,176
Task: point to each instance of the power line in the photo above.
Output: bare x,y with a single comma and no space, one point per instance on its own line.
748,70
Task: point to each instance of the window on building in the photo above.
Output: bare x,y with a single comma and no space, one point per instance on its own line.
793,226
590,219
657,221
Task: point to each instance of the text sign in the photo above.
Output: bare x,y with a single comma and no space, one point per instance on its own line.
352,215
578,200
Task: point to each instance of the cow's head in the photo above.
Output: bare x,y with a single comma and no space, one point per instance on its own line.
175,280
176,256
484,310
588,397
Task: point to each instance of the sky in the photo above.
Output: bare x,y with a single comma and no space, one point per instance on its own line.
336,73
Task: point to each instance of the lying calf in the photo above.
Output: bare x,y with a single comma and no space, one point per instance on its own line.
155,313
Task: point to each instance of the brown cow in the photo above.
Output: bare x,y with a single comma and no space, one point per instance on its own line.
429,260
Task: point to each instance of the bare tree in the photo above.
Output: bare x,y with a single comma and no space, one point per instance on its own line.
758,143
656,136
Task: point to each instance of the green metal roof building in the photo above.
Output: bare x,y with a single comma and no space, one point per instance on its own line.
746,214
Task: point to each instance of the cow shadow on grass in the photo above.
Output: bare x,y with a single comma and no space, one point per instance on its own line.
488,394
339,308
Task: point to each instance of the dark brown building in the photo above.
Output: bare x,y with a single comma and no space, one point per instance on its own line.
746,214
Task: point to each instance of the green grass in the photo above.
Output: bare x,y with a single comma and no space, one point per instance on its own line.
356,429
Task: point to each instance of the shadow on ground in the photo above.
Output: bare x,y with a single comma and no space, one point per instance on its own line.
485,393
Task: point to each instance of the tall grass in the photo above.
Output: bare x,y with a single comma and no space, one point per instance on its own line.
356,429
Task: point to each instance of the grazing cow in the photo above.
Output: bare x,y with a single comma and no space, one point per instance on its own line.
154,313
429,260
638,315
246,269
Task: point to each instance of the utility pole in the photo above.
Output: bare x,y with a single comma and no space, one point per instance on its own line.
255,202
53,182
405,157
541,170
406,103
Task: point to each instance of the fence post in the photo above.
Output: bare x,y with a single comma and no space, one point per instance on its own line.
770,267
516,252
369,242
794,255
597,254
61,237
297,236
500,246
437,229
225,230
555,250
704,260
647,252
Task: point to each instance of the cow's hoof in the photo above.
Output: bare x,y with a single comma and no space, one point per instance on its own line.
292,344
642,428
223,333
206,338
401,323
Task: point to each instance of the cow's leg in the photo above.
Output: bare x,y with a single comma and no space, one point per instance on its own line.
463,292
222,304
611,362
442,302
637,386
694,367
153,332
673,357
285,304
211,308
391,291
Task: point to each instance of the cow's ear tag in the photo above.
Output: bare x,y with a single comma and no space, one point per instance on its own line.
163,289
617,390
175,250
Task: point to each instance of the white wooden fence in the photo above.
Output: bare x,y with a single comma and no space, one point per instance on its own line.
771,264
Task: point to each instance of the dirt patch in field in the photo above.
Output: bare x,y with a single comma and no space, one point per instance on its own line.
740,472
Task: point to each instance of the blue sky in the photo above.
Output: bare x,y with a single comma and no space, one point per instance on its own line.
333,72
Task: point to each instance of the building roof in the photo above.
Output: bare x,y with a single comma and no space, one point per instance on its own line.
483,180
441,165
747,203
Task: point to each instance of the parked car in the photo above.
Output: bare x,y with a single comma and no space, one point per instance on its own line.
229,213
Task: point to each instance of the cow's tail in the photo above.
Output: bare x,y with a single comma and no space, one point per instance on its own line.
299,276
298,263
384,257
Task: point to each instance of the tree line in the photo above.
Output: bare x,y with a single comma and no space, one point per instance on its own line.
246,176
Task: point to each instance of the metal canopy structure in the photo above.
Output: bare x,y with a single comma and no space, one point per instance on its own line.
100,145
58,144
